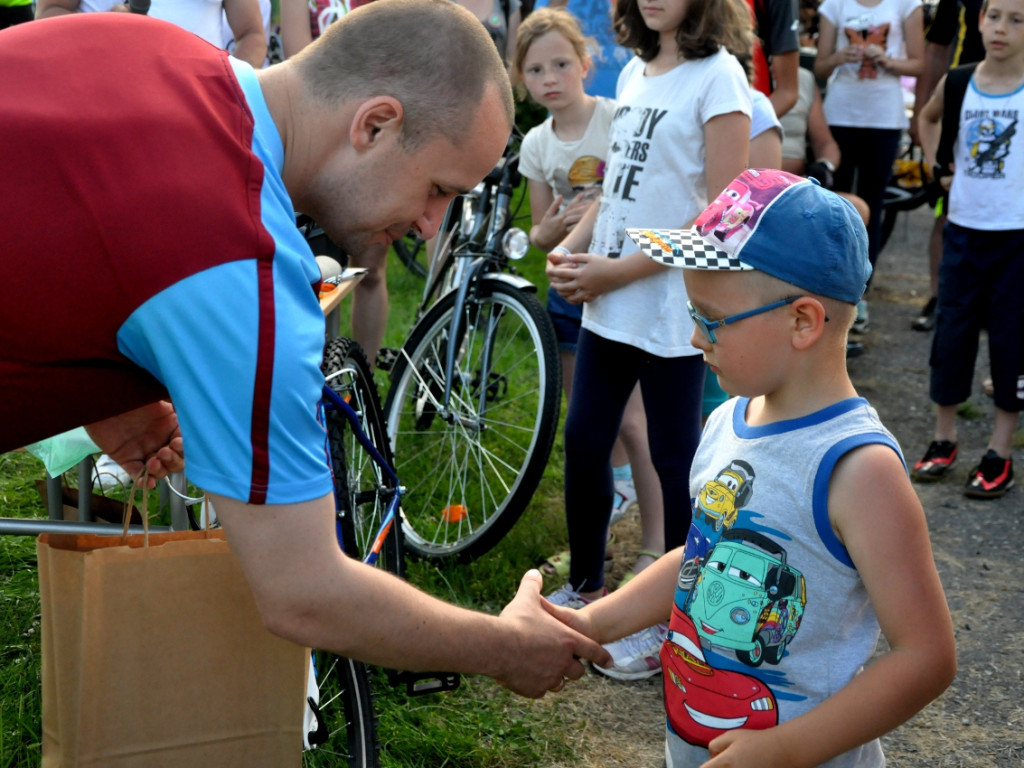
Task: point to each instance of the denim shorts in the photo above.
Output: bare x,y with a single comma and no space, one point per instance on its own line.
566,318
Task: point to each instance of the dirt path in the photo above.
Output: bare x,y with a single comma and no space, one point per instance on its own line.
979,721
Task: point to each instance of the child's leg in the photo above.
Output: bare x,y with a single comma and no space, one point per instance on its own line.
605,376
633,434
1005,424
673,389
1005,324
870,153
963,296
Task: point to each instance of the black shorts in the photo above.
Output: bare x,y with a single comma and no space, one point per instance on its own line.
980,288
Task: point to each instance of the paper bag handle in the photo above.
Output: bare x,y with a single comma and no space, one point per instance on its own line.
139,483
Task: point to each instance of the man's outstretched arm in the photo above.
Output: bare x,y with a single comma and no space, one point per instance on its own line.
367,614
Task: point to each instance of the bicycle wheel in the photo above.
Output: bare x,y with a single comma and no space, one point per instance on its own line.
345,731
361,487
471,470
412,252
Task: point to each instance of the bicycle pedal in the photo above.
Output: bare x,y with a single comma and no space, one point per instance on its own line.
424,683
386,357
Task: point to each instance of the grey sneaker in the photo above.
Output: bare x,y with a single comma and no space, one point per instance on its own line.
565,595
636,657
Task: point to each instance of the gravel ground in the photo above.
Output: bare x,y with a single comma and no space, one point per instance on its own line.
979,721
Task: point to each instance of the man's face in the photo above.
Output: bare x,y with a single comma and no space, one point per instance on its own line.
387,192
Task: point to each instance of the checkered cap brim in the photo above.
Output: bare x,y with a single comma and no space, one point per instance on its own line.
684,248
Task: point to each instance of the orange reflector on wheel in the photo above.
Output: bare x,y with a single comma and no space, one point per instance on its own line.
454,513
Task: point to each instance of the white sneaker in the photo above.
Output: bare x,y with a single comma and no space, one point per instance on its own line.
567,596
636,656
623,499
109,475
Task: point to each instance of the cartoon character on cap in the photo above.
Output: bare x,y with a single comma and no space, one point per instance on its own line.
728,212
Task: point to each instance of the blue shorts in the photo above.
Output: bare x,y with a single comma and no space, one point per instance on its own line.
566,318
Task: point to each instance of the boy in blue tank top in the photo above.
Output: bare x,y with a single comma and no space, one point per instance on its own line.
807,538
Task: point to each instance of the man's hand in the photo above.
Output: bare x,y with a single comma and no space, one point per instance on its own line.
549,652
147,437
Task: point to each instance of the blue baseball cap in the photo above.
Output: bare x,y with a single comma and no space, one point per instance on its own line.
783,225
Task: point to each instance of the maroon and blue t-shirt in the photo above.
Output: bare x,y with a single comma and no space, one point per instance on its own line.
148,249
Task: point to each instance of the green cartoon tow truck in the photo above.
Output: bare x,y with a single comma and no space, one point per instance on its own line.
747,598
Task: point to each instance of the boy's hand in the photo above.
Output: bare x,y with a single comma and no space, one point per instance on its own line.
571,617
741,748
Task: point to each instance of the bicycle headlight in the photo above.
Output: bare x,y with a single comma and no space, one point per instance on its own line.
515,243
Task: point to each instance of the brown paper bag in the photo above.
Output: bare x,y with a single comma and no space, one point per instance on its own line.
156,656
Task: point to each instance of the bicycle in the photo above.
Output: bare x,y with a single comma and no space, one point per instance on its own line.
908,189
475,390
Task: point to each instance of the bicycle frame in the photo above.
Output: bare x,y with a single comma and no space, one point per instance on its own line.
332,400
483,248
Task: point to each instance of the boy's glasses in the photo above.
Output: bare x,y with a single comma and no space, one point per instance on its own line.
707,327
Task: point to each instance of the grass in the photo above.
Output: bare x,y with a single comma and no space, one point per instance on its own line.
478,725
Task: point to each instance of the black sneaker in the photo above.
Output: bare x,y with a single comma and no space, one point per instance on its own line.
926,320
936,462
854,349
992,478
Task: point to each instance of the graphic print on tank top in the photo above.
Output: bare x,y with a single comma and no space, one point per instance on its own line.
738,606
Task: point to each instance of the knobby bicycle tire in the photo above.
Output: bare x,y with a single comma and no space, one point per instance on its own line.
342,685
470,473
361,487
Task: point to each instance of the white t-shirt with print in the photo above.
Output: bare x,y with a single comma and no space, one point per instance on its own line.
568,167
859,94
656,179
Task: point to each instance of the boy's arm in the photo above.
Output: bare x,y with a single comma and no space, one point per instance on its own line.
930,125
645,601
887,538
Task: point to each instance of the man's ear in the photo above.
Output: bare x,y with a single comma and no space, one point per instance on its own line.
809,320
375,118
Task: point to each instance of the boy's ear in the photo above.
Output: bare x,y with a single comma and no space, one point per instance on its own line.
374,119
809,320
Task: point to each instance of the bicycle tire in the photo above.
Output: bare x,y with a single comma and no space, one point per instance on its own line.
345,729
361,488
470,475
351,737
411,250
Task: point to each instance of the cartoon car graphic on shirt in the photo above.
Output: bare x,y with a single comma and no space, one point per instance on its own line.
721,499
729,211
747,598
703,702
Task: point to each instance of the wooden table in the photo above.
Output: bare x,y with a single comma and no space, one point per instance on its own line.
331,300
